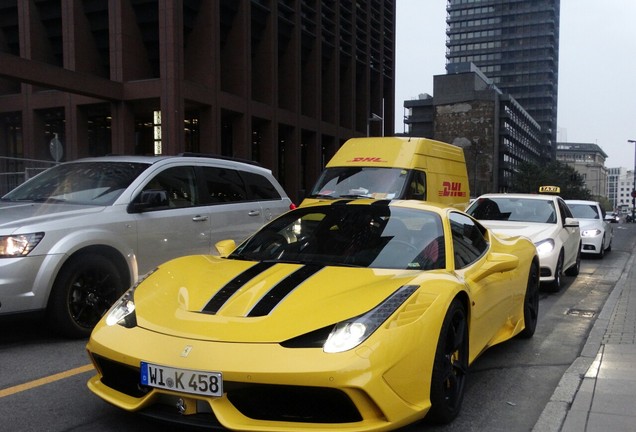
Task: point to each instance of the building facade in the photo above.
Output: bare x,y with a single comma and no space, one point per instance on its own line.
494,130
516,44
620,186
589,161
280,82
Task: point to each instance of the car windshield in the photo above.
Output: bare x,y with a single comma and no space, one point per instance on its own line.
584,211
87,183
351,235
513,209
360,182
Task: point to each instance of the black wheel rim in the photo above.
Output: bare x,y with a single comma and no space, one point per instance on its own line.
92,292
456,360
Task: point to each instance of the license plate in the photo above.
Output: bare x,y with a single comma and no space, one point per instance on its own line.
182,380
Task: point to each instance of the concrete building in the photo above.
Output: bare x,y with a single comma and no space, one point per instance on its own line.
589,161
516,44
620,186
494,130
281,82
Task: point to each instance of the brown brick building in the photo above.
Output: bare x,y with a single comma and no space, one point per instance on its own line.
281,82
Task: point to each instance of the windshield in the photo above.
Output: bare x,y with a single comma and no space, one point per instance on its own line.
88,183
584,211
513,209
361,182
351,235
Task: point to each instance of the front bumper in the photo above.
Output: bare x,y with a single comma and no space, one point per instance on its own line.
268,387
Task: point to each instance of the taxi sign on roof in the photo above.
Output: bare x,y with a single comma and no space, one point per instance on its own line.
549,189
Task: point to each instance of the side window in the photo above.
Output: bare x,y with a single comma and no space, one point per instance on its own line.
469,241
259,187
223,185
416,188
172,188
564,210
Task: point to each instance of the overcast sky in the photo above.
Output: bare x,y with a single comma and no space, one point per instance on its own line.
597,69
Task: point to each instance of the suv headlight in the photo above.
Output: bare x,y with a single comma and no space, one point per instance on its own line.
351,333
544,247
591,233
19,245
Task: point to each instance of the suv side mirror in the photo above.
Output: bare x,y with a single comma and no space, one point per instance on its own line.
149,199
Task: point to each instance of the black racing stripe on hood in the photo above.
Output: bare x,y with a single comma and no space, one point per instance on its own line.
282,289
223,295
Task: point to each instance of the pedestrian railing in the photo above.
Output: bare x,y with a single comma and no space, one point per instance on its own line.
15,171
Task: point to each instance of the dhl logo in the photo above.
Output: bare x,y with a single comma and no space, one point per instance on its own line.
452,189
367,159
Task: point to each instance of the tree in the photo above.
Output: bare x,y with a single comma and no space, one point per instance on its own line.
530,177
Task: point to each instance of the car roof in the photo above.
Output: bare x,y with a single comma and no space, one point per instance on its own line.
519,195
413,204
191,158
581,202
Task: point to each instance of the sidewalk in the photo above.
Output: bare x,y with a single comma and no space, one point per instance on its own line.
598,391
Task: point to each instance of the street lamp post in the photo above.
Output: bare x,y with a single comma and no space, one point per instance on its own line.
634,186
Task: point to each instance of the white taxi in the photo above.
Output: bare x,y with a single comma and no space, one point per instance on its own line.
545,219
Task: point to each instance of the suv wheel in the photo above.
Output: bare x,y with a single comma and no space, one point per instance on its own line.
83,291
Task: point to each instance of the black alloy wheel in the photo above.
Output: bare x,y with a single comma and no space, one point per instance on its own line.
84,290
450,367
531,303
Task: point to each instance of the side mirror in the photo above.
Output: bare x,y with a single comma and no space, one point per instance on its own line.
149,199
571,222
225,247
495,263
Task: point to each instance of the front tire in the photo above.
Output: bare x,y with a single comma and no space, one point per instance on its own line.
450,367
576,268
531,303
83,291
555,285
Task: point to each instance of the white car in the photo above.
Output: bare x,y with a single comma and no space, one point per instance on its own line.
75,237
544,219
596,232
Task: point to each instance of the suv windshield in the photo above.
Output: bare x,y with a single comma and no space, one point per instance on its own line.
357,182
88,183
354,235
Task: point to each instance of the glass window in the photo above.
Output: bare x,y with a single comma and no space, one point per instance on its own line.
469,241
223,185
259,187
173,188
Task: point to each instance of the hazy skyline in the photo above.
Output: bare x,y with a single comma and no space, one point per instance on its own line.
597,69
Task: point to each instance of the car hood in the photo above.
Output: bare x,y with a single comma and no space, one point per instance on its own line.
211,298
14,215
532,230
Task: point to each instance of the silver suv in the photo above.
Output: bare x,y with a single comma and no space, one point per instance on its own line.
73,238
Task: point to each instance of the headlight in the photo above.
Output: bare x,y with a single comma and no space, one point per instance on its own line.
19,245
123,311
544,247
351,333
591,233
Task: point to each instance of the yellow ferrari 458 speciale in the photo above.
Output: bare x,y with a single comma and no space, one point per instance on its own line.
356,315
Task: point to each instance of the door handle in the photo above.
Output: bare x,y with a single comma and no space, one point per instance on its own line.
199,218
254,212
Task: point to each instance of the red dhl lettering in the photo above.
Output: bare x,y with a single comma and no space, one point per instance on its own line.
452,189
366,159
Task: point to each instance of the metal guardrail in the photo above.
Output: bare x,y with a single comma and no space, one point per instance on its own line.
15,171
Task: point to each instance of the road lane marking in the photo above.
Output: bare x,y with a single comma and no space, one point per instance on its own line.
46,380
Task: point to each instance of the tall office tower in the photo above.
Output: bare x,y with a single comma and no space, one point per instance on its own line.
516,44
